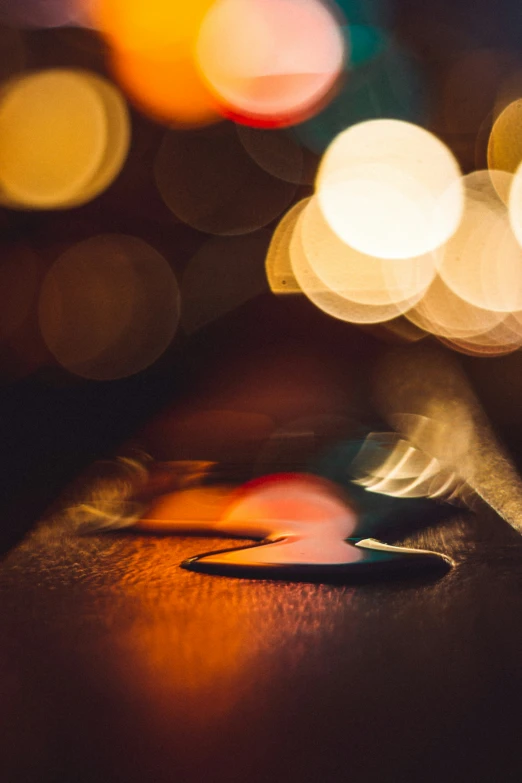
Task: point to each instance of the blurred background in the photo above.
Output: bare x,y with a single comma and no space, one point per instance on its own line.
151,155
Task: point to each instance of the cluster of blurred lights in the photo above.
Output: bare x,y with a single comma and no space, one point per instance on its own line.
264,63
394,228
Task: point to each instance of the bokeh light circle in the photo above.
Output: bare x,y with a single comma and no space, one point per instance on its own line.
445,314
117,143
151,53
278,263
64,137
208,180
53,134
505,139
167,88
380,187
482,262
515,204
270,62
357,276
330,301
109,307
279,153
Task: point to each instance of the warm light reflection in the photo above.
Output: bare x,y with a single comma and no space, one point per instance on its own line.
189,510
109,307
192,653
303,522
208,180
482,262
298,507
380,187
64,136
270,62
390,465
225,273
423,393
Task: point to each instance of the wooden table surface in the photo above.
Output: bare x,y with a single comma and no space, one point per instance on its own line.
117,665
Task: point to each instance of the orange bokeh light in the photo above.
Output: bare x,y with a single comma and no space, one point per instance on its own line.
152,46
168,88
150,25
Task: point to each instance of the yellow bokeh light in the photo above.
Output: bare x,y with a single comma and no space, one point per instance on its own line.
53,133
482,262
380,187
270,61
64,136
504,151
278,263
118,139
505,140
109,307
